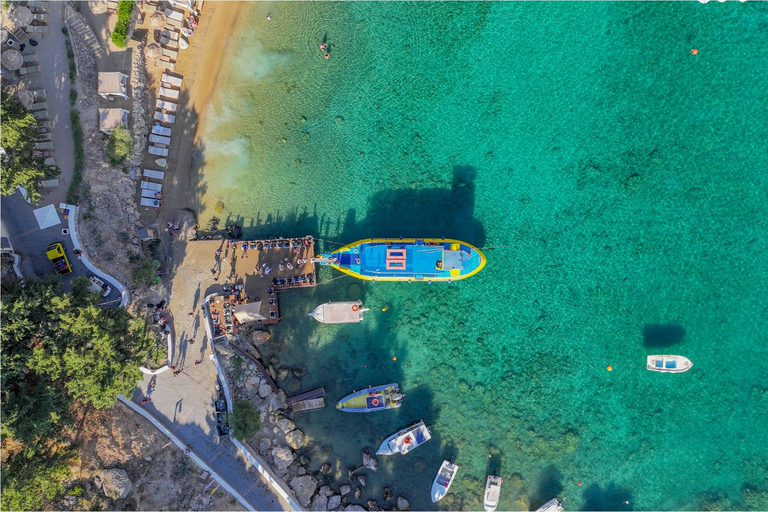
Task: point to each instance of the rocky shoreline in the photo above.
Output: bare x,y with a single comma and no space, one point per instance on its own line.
286,448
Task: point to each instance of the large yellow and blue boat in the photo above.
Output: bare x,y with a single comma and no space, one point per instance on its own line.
407,259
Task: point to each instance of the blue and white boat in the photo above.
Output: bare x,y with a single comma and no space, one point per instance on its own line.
405,440
375,398
669,364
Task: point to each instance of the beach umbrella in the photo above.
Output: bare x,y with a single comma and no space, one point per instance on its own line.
3,36
25,97
153,51
20,16
157,20
162,162
183,43
12,59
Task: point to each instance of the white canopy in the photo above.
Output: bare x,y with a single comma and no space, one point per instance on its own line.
47,216
113,84
250,312
111,118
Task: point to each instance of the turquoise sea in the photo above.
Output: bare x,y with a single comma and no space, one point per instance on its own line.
620,184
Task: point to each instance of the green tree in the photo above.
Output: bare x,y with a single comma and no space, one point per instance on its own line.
17,138
30,480
119,146
145,271
245,421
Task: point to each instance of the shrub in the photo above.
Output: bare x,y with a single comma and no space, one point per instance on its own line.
119,146
245,421
73,194
120,35
145,272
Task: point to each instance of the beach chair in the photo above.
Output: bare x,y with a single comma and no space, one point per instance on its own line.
168,106
172,80
157,150
42,153
174,23
173,14
159,139
42,131
39,106
161,130
169,93
43,145
39,94
151,173
164,118
42,114
37,3
43,124
154,203
50,161
42,17
173,35
170,66
151,186
170,53
37,29
31,70
149,193
112,5
30,59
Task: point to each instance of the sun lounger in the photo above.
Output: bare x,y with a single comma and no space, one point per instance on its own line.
41,105
50,183
41,114
170,53
40,153
157,150
151,173
174,23
173,35
155,203
43,131
112,5
163,118
169,93
170,43
159,139
43,145
40,17
166,105
152,186
31,70
36,29
149,193
30,59
37,3
39,94
170,79
173,14
170,66
43,124
50,161
161,130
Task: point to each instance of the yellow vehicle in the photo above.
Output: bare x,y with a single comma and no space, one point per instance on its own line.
55,253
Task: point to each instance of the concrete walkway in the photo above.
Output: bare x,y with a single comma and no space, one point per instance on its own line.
54,78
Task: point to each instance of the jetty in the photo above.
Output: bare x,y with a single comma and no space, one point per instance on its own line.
307,401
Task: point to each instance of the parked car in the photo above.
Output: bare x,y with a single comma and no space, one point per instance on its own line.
97,285
55,253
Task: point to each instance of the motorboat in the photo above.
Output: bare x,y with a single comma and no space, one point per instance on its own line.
348,312
406,259
443,480
405,440
375,398
669,364
492,492
553,505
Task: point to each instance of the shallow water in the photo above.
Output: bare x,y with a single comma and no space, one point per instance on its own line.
621,183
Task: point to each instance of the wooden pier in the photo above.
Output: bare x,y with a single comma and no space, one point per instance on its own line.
307,401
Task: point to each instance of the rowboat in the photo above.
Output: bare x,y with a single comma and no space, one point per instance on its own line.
492,491
375,398
405,440
669,364
443,480
552,505
406,259
350,312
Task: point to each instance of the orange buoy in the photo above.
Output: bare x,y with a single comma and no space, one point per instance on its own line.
579,483
695,51
394,358
609,368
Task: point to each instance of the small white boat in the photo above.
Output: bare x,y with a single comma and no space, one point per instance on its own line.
405,440
492,491
669,364
552,505
350,312
443,480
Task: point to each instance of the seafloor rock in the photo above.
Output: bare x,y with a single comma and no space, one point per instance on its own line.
369,460
295,439
353,508
304,487
115,483
282,373
258,338
285,424
282,456
334,502
403,504
345,489
361,479
373,504
358,493
326,468
319,502
388,494
300,370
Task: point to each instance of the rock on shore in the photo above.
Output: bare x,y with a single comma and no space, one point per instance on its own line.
115,483
282,457
304,487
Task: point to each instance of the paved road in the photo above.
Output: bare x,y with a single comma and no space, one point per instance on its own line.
30,242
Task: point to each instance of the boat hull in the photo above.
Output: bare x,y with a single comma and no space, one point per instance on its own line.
372,399
408,259
443,480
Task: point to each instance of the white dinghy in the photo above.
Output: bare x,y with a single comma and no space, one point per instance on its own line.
669,364
443,480
349,312
492,492
405,440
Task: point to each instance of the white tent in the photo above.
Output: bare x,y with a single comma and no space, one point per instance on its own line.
113,84
47,216
250,312
111,118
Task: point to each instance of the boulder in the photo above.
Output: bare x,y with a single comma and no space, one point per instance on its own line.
345,489
358,493
353,507
303,460
273,360
258,338
326,468
325,490
388,494
224,350
301,471
272,371
282,373
300,370
285,424
369,460
295,439
403,504
334,502
264,445
282,457
361,479
373,504
115,483
277,401
304,487
320,502
148,458
265,390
